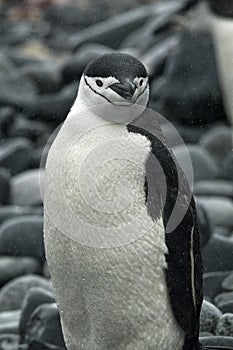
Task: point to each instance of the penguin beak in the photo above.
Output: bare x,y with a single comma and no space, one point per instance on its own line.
125,89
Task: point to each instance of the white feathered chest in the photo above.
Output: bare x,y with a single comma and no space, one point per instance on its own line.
105,254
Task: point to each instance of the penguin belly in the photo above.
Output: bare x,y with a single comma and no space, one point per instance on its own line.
109,281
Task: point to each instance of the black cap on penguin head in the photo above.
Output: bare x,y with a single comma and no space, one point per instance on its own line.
119,65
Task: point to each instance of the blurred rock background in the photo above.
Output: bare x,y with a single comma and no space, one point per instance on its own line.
44,47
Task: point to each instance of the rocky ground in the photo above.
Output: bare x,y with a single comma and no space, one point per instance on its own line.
44,47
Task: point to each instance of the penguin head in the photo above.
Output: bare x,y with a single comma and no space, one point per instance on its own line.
119,83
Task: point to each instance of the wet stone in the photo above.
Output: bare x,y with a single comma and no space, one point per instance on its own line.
222,188
13,293
17,90
36,131
204,166
11,211
23,236
15,155
54,108
218,141
46,75
7,115
217,341
227,283
4,186
74,66
26,187
223,298
204,225
225,325
45,322
9,322
217,253
12,267
113,31
219,209
9,341
212,283
35,297
226,307
193,58
210,315
227,169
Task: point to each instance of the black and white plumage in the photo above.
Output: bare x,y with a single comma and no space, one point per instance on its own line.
120,279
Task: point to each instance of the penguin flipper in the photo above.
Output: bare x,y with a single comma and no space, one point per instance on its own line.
184,276
184,263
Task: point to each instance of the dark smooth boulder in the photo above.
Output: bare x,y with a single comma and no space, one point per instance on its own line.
15,155
12,267
26,187
44,326
35,297
217,253
190,93
23,236
13,293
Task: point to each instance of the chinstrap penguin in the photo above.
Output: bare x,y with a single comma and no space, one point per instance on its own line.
120,279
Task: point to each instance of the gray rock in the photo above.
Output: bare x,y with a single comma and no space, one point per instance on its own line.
227,168
46,75
17,90
7,115
204,166
219,209
4,186
44,325
205,334
19,32
218,141
222,188
223,298
38,154
46,272
153,34
36,131
204,225
227,283
13,293
12,267
217,341
225,325
22,236
34,298
39,345
54,108
226,307
6,65
212,283
26,187
113,31
210,315
10,211
191,82
74,66
217,253
73,17
15,155
9,341
9,321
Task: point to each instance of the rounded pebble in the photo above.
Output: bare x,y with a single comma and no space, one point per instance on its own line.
210,315
13,293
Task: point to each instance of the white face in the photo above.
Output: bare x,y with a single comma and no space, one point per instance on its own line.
122,102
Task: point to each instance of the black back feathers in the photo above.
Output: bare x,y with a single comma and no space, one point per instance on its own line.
118,65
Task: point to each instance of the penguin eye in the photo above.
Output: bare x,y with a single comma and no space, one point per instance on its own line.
140,82
99,82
